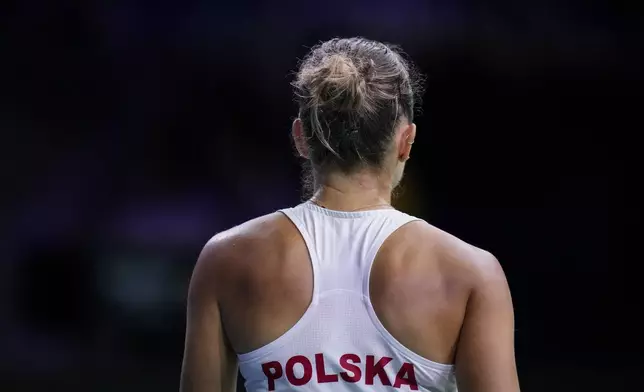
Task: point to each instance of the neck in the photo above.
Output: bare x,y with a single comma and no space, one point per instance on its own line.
357,191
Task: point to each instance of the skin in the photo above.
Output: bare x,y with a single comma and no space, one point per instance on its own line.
442,298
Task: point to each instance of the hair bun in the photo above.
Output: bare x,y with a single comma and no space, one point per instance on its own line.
339,83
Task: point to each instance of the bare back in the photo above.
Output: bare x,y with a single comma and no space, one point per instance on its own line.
423,284
419,294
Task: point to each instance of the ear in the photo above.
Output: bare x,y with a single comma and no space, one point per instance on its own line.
299,139
406,139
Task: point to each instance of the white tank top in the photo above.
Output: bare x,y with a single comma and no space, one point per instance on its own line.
339,344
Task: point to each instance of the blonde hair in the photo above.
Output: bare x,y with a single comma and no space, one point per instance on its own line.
352,92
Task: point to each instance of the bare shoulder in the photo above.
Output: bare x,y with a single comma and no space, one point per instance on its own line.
231,252
421,283
255,230
446,253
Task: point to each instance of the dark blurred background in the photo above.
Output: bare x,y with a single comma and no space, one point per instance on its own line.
132,131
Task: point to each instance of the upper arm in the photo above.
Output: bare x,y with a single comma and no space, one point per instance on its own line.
209,363
485,359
